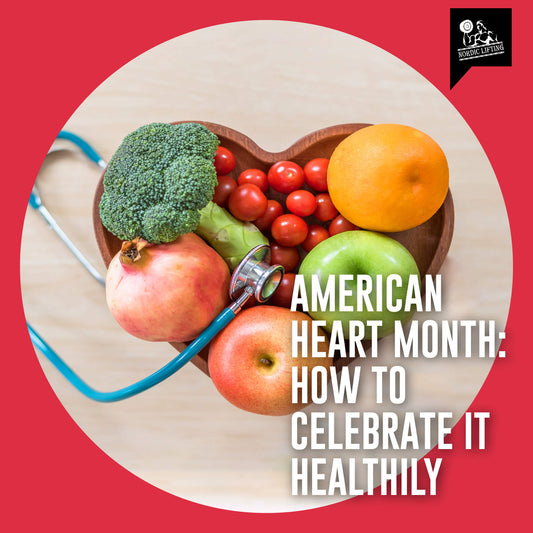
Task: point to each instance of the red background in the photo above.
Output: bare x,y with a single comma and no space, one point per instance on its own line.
53,477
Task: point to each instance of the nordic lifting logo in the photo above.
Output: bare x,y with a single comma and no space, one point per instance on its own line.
478,37
482,42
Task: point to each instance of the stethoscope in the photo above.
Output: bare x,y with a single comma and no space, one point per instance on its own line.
36,203
254,276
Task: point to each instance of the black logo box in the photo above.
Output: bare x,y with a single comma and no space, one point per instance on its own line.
462,58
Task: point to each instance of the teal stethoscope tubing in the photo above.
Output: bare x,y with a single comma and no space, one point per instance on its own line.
220,322
84,146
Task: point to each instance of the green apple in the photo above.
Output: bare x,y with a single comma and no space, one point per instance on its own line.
369,258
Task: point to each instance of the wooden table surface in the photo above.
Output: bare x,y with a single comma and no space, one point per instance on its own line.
182,436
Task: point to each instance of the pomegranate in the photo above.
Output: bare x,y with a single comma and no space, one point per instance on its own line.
167,292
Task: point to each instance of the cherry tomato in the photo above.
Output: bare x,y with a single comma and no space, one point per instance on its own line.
325,210
224,161
340,224
286,176
247,202
255,176
289,230
315,235
287,257
226,185
283,295
316,174
273,211
301,203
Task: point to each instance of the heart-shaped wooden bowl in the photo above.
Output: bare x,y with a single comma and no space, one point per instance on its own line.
428,243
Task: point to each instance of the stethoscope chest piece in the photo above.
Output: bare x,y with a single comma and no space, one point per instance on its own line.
256,273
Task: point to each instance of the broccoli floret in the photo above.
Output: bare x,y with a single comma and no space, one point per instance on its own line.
158,180
159,185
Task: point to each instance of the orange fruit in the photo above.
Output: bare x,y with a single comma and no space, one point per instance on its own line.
388,177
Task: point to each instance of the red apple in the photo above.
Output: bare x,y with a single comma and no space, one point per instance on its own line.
250,362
